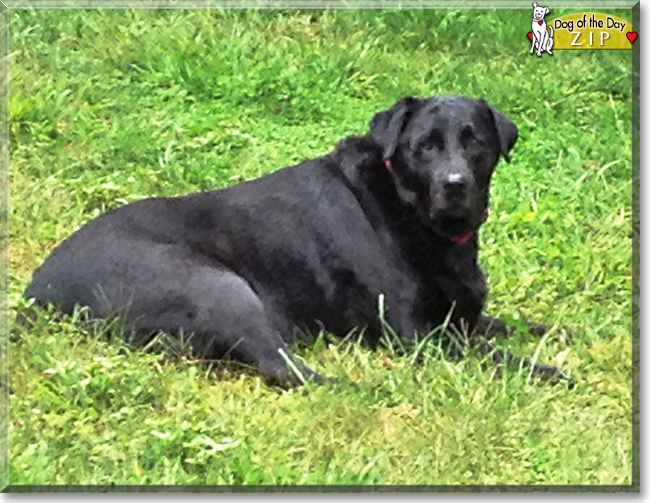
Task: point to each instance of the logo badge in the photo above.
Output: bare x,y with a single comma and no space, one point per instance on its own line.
586,30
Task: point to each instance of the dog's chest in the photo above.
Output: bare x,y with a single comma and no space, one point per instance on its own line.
451,283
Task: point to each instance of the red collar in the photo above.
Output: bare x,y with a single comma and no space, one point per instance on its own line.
461,239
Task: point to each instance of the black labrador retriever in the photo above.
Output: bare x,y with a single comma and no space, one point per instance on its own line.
394,214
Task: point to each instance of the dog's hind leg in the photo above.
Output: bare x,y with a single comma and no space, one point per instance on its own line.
222,316
549,42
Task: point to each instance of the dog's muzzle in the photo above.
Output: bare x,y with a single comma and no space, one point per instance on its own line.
454,211
455,187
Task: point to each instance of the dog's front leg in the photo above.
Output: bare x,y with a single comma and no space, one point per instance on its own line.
489,327
541,41
532,47
541,370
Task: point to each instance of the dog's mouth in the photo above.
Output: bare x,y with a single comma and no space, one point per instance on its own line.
459,229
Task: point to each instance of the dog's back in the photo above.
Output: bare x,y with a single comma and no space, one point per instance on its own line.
298,236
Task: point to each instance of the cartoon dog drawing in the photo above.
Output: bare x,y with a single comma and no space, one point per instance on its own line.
541,37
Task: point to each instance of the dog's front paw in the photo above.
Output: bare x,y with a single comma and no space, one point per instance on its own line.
538,329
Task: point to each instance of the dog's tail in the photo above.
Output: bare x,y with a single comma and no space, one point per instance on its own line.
551,30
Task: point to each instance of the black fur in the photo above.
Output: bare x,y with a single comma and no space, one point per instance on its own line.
314,245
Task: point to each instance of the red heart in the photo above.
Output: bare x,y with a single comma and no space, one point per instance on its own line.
540,22
631,36
530,36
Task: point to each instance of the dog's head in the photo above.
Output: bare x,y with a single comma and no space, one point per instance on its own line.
539,12
441,153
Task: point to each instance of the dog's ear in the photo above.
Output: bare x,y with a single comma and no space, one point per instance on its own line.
534,5
506,129
547,10
387,126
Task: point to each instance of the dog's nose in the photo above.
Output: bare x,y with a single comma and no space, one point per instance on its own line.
455,186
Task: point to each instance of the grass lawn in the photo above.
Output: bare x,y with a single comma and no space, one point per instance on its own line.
112,106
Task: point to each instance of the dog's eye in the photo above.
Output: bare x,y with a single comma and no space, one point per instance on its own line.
468,140
474,143
434,141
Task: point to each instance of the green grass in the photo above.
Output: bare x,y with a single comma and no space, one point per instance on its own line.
111,106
